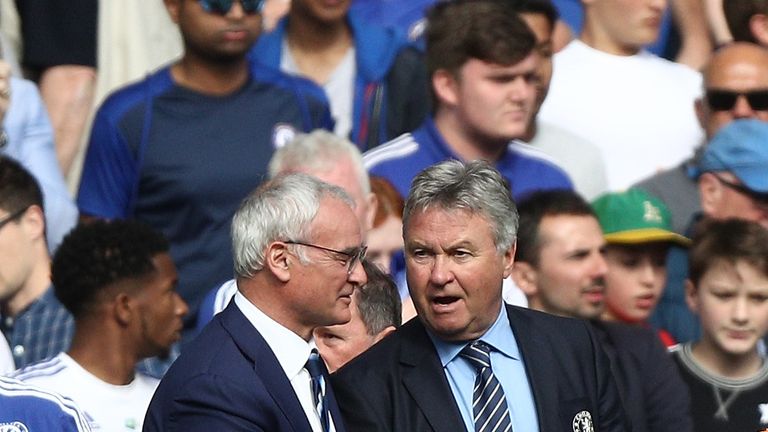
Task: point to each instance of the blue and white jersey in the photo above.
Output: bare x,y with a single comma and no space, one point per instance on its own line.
526,168
27,408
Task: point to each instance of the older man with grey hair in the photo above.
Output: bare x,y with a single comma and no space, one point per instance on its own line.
459,226
327,157
297,247
332,159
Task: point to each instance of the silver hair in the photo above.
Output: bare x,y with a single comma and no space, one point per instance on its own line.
318,151
475,187
282,208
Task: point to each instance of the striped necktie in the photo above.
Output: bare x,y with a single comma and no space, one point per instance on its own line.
315,368
489,405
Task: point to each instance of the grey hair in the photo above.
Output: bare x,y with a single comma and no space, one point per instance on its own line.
318,151
475,187
282,208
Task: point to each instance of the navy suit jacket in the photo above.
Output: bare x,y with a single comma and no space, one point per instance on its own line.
228,379
655,396
399,384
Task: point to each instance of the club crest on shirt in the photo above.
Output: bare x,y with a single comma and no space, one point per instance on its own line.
282,134
583,422
13,427
763,407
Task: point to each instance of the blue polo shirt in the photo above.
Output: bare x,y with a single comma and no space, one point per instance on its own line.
507,365
526,168
182,161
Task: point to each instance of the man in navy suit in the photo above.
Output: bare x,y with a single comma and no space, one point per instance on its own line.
459,227
297,246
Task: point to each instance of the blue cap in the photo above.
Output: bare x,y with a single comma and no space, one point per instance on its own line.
741,147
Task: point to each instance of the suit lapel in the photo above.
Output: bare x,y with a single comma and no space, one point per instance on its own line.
538,366
266,366
425,380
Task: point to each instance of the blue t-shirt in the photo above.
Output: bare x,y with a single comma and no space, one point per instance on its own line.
27,408
526,168
183,161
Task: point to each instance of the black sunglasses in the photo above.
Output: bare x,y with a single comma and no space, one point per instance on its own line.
352,257
15,215
724,100
758,197
222,7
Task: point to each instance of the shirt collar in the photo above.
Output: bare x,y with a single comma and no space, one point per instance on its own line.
290,349
499,336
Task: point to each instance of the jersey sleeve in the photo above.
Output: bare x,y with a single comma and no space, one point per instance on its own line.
110,171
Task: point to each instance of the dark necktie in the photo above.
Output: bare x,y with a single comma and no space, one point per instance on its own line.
315,368
489,405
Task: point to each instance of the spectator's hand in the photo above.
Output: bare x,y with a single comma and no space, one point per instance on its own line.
5,88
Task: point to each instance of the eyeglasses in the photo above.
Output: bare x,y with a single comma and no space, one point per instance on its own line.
222,7
6,220
724,100
761,198
353,257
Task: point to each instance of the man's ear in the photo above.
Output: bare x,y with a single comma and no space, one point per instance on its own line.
278,261
758,26
373,203
446,87
173,9
691,296
509,259
33,222
384,333
123,308
711,192
525,277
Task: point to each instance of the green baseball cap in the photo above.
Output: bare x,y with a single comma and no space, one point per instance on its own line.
634,217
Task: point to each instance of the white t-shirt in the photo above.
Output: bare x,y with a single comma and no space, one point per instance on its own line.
639,110
109,408
340,87
582,160
6,358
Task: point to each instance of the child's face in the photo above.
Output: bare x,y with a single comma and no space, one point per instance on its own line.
636,276
732,303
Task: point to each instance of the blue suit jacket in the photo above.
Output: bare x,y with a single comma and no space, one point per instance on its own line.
228,379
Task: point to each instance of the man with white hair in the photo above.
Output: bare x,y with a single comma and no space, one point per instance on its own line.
296,248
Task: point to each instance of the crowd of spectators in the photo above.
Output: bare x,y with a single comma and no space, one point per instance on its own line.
180,179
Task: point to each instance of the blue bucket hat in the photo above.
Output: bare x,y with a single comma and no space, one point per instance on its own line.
741,147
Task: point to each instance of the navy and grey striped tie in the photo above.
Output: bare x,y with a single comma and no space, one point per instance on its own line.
489,405
315,368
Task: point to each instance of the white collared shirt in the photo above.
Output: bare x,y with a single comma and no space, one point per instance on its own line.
292,353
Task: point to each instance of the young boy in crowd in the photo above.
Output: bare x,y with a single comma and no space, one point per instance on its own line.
728,290
638,232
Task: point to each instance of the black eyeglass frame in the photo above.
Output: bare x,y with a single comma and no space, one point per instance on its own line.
759,197
13,216
352,257
222,7
725,100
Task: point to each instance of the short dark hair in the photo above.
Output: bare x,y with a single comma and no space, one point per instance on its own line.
729,240
98,254
534,208
18,187
738,13
487,30
378,301
540,7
